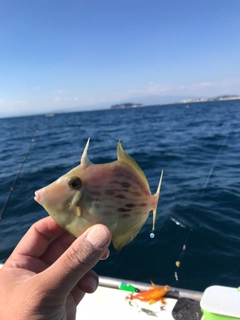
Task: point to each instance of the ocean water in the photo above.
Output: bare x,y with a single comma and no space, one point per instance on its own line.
198,217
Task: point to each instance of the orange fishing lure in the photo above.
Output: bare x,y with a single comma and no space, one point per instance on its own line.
152,295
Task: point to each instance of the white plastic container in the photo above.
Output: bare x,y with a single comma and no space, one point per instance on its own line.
221,303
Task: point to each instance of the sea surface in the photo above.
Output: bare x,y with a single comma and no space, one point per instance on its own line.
198,216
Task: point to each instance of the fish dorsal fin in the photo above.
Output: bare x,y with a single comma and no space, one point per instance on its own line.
123,156
84,158
153,285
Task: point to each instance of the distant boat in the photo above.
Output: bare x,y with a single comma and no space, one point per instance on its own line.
48,115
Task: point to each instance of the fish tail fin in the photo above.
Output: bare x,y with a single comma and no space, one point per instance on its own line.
157,194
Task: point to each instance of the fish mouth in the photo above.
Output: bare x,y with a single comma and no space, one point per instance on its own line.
37,196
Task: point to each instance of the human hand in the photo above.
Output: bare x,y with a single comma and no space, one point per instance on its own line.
49,272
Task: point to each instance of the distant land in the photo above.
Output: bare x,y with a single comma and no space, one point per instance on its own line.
146,101
126,105
136,105
220,98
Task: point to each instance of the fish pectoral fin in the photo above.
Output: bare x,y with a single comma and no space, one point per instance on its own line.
122,240
76,209
123,156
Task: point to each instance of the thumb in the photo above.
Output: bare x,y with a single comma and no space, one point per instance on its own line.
64,274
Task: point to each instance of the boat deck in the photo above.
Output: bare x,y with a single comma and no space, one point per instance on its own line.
108,303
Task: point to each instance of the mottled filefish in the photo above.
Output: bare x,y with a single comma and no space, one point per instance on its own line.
115,194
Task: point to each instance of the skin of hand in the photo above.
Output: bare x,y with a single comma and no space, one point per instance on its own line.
49,272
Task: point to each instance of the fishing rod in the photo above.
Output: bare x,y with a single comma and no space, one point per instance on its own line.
178,262
17,176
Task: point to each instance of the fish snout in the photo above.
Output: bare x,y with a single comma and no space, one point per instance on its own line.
38,196
54,196
44,198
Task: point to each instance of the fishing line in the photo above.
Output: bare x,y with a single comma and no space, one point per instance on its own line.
178,262
17,176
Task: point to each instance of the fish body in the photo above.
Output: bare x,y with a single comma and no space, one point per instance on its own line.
156,293
115,194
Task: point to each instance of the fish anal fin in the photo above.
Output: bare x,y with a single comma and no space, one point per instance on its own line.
121,240
123,156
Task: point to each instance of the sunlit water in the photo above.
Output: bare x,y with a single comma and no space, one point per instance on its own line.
198,217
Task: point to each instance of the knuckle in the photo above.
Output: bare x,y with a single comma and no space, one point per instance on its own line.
79,257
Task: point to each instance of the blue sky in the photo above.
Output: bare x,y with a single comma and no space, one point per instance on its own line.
86,54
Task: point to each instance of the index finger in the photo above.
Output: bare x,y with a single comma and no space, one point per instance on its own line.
35,242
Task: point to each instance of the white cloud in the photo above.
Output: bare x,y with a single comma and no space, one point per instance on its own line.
165,89
205,84
161,89
57,99
150,89
19,103
59,91
181,87
202,88
37,88
12,103
66,100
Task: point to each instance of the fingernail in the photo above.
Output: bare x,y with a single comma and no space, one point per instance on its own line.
92,283
105,255
99,236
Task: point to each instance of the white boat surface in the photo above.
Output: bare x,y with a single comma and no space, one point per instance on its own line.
109,302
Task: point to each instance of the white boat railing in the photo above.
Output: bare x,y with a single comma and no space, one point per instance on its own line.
175,293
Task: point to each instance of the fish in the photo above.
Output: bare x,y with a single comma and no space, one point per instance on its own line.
156,293
116,194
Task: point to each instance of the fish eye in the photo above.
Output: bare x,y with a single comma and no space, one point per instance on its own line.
75,183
